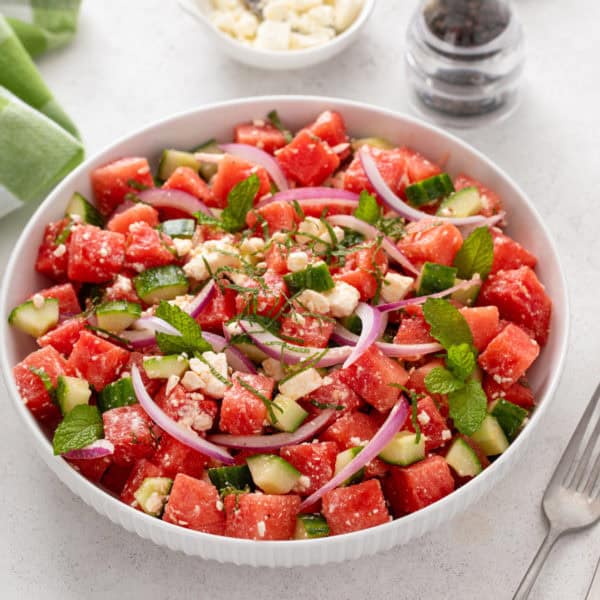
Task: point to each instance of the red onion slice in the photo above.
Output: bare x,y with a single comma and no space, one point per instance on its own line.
371,233
200,302
392,306
380,440
371,330
306,195
341,148
161,198
384,191
259,157
236,359
156,325
291,354
97,449
277,440
341,335
142,338
185,436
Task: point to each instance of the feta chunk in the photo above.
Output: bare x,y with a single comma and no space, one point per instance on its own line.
395,287
300,385
314,302
346,12
246,25
209,384
321,16
273,368
38,301
273,35
278,10
297,261
252,245
311,226
182,246
215,253
343,299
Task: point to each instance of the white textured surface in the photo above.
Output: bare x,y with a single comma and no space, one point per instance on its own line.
138,61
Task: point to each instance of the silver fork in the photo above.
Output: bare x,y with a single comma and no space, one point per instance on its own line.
572,498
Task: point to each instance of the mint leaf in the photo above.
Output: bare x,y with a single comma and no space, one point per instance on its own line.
191,339
80,427
240,200
368,210
461,361
476,255
468,407
448,326
274,119
442,381
41,373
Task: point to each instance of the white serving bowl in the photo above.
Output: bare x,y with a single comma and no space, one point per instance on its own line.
282,60
187,130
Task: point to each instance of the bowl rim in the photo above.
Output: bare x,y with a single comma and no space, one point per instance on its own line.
217,547
189,6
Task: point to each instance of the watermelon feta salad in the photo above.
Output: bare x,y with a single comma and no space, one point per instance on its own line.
283,337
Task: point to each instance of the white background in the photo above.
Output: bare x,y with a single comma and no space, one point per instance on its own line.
137,61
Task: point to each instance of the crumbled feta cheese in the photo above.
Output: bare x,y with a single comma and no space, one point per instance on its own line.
273,368
303,483
252,245
234,328
278,10
215,254
122,284
423,418
311,226
261,528
297,261
191,381
211,385
343,299
38,301
59,250
300,385
446,435
395,287
171,383
273,35
182,246
314,302
346,12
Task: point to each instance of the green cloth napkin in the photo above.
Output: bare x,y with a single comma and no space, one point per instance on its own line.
39,143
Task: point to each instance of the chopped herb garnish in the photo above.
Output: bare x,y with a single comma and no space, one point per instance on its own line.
274,119
136,185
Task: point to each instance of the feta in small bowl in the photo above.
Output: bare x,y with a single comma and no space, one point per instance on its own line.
281,34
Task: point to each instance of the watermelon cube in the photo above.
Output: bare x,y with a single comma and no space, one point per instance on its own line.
355,507
279,216
68,303
431,242
93,468
266,295
219,310
260,134
432,424
95,255
142,469
509,254
136,213
363,269
375,377
242,411
29,377
187,180
417,166
121,289
352,429
261,516
413,328
316,462
191,409
520,298
509,355
306,330
146,248
330,127
307,160
411,488
483,322
519,393
115,478
232,171
333,392
132,432
97,360
391,165
51,260
195,504
112,182
63,337
173,457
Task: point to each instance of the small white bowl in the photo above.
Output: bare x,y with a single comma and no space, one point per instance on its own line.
277,60
216,121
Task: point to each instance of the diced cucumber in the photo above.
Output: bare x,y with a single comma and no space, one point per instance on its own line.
173,159
161,283
36,316
314,277
162,367
490,437
403,449
343,459
208,169
289,415
375,142
310,526
463,459
116,394
468,295
179,228
231,478
152,495
465,203
435,278
118,315
509,416
71,391
353,323
79,206
430,189
272,474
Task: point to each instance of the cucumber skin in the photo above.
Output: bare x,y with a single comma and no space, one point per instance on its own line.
15,317
462,447
87,211
116,394
509,416
311,526
231,478
179,228
259,463
436,278
149,283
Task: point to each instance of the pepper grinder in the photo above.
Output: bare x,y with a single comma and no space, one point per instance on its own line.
464,60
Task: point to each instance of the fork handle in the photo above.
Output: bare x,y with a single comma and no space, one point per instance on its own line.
536,565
